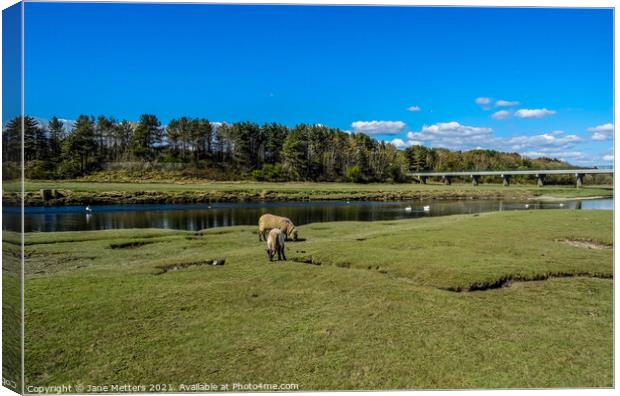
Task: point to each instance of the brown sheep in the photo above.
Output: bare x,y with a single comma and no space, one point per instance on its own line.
275,244
269,221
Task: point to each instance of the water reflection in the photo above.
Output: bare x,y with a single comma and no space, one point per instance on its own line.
196,217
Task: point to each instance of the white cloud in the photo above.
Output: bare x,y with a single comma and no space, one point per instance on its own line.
506,103
454,128
414,108
378,127
562,155
555,144
68,124
482,101
600,136
608,157
602,132
452,135
456,136
500,115
555,139
217,124
67,121
399,143
533,113
602,128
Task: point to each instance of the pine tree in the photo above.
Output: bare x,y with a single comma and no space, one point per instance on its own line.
173,134
248,145
123,136
81,144
56,130
146,136
35,141
12,140
104,133
274,134
295,152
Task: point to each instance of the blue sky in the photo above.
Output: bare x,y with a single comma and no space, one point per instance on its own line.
11,62
411,75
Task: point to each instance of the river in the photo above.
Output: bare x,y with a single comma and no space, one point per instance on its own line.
197,217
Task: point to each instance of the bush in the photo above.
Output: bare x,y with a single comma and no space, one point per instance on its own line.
170,159
354,174
68,169
39,170
269,172
11,171
397,175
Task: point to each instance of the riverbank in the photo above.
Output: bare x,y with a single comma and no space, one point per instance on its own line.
373,305
62,193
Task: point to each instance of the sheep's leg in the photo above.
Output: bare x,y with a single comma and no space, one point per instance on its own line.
283,256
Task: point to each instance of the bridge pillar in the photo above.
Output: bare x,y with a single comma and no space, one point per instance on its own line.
422,179
579,179
447,180
541,180
475,180
506,179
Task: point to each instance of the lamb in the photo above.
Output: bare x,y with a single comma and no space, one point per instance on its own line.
275,244
269,221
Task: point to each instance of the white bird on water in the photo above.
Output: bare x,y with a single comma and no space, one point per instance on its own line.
527,206
88,208
427,208
561,205
408,209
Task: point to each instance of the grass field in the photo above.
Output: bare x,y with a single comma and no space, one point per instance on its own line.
11,310
76,192
379,305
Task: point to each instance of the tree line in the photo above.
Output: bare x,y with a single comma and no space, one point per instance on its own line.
241,150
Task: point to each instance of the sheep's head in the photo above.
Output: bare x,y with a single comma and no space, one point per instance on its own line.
293,234
270,254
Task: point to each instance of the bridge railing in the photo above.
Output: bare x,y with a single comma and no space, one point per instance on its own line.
507,174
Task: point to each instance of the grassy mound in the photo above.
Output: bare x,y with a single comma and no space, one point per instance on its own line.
357,306
106,193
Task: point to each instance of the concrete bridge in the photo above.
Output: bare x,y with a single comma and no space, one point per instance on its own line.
447,176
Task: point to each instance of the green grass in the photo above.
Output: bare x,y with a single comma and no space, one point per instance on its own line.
76,192
375,314
11,310
308,188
